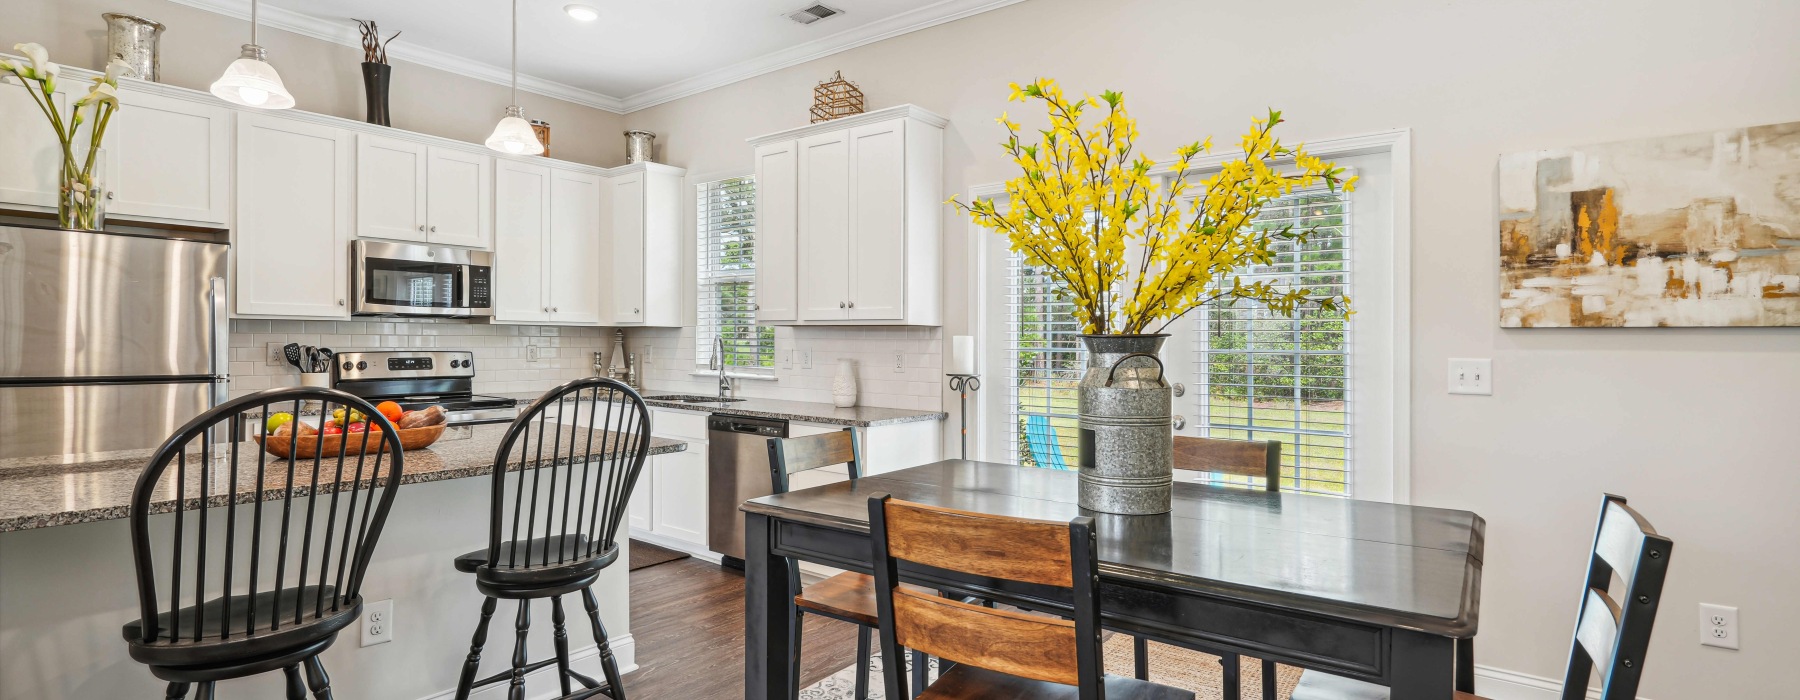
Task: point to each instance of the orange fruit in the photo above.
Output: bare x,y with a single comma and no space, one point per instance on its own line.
390,410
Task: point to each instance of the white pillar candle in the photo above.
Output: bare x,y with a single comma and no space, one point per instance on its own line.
962,354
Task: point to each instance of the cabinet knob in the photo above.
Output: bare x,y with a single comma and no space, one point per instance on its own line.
853,305
637,311
546,309
421,228
340,302
109,196
434,229
756,307
840,304
555,310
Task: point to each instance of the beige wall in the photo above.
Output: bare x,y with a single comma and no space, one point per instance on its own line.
1695,426
324,77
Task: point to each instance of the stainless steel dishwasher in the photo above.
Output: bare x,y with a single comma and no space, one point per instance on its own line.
737,470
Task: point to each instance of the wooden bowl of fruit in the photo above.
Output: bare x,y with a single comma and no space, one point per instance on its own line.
343,432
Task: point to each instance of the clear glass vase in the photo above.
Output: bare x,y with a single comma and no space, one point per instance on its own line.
82,194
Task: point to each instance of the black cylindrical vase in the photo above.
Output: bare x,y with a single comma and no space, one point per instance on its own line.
375,89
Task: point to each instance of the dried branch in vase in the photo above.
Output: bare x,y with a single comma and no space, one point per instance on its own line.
374,49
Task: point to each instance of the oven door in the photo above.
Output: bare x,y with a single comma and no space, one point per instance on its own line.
392,279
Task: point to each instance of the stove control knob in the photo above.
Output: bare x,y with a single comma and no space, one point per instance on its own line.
455,364
349,366
362,365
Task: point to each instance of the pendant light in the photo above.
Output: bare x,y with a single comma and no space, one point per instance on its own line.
250,80
513,134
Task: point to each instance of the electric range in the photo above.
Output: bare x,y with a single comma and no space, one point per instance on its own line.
416,379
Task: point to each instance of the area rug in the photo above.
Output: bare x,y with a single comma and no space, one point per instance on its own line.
1173,666
645,555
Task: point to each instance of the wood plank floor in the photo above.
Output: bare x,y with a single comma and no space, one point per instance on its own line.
687,617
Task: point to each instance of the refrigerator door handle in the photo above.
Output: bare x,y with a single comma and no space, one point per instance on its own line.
221,350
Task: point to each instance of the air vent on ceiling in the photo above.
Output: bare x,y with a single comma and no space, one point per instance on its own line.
813,14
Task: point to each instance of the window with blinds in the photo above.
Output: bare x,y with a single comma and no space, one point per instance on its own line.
726,227
1265,377
1045,365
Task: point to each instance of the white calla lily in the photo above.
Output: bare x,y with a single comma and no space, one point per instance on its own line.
102,94
41,67
8,67
114,70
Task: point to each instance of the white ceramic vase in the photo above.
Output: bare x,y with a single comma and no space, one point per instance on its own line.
843,386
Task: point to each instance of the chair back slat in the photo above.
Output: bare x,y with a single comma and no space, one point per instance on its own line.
1016,549
1251,458
1612,637
213,570
1020,644
790,456
564,470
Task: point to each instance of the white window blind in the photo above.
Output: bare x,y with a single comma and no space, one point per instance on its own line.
1045,363
1265,377
727,275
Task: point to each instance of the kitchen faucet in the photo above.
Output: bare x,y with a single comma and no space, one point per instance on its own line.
719,361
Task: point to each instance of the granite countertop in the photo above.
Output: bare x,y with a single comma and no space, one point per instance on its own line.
780,409
42,492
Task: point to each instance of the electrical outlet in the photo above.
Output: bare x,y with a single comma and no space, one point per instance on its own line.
805,358
1718,626
533,353
1472,376
378,622
899,362
276,356
644,356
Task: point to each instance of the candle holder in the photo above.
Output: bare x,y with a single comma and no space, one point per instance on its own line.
962,384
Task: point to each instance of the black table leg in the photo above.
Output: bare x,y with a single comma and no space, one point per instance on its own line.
1424,666
768,616
1465,666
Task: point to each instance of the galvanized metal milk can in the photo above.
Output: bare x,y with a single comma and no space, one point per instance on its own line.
1127,443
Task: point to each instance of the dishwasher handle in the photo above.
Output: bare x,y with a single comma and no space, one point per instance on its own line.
744,425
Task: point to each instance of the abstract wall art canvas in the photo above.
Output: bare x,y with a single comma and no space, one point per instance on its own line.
1694,230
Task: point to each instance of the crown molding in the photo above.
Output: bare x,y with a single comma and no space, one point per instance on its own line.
339,33
904,23
346,35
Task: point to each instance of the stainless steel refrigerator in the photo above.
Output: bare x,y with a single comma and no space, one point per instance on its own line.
108,341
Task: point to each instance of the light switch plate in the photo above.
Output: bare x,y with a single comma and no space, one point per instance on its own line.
1718,626
1472,376
378,622
787,358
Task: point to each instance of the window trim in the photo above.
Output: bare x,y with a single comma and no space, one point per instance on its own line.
987,298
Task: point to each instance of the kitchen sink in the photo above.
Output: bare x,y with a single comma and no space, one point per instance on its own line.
690,398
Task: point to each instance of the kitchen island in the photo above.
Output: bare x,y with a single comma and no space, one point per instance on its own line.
67,583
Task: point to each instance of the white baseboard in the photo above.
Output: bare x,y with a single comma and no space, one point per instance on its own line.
697,551
541,683
1501,684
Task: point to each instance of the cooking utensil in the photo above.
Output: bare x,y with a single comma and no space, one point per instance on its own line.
326,358
291,351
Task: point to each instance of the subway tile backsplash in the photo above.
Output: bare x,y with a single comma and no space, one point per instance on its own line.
500,350
918,386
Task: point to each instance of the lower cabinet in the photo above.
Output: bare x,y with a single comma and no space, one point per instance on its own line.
668,504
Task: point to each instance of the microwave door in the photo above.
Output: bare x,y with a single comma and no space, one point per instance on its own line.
390,286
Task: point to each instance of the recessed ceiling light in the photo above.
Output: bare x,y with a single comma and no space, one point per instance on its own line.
582,12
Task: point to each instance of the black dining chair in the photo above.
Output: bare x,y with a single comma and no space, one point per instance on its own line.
1610,636
265,559
553,524
1255,459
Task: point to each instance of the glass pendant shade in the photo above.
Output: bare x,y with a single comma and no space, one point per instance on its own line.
514,135
250,81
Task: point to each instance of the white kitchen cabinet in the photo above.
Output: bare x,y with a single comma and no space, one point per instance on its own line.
679,508
28,146
521,242
777,201
410,191
291,243
574,251
168,159
867,231
639,508
643,229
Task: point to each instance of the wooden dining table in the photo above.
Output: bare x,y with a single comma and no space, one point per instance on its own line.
1380,592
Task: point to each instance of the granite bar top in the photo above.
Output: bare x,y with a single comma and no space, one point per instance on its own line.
42,492
780,409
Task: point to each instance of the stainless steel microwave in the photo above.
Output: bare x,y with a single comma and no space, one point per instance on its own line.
403,279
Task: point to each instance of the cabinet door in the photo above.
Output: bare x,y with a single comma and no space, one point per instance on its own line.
639,509
293,218
169,159
823,227
521,231
777,182
390,188
679,510
574,247
459,198
627,232
28,146
878,221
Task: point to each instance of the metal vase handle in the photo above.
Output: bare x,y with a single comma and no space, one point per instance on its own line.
1115,365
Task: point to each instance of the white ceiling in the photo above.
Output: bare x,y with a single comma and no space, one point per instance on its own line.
636,55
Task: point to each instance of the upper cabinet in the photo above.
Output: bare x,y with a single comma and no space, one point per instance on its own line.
410,191
547,245
292,243
850,211
643,226
575,247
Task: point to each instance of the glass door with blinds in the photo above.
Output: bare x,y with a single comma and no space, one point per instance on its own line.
726,247
1044,364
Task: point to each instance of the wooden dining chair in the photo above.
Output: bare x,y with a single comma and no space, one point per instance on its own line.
272,597
1610,636
1256,459
556,527
997,653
